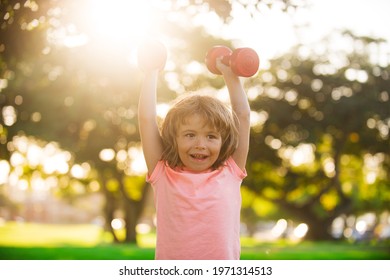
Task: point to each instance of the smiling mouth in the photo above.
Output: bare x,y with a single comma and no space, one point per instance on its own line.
199,156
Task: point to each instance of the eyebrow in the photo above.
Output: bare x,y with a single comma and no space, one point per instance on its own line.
193,131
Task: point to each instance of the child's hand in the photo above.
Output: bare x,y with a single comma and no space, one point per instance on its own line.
152,56
224,69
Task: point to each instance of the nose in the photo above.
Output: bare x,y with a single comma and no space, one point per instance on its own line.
200,144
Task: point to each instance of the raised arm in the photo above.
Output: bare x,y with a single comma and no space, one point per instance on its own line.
240,106
147,118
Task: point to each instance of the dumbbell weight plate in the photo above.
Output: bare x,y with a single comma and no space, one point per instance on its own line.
213,54
152,54
244,62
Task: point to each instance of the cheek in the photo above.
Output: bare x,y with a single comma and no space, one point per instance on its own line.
217,146
181,145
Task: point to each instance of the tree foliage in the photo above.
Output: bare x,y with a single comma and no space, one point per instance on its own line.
326,132
84,97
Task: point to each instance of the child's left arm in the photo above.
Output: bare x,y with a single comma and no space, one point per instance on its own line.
240,106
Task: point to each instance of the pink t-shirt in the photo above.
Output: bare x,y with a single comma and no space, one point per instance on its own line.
198,214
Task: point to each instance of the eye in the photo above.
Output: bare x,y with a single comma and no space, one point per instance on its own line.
189,135
212,136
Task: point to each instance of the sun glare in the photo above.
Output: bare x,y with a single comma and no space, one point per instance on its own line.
118,19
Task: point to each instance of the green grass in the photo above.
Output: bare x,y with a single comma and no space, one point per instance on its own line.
89,242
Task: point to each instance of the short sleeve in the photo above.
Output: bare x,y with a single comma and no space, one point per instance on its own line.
236,170
156,173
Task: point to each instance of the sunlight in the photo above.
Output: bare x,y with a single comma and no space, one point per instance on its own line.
279,228
371,177
22,184
34,155
9,115
4,171
329,167
118,19
39,185
138,164
303,154
56,163
3,84
361,226
301,230
356,75
258,118
17,159
143,228
162,110
373,166
107,155
78,171
103,23
118,223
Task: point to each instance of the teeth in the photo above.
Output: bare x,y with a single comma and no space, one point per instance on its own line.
199,156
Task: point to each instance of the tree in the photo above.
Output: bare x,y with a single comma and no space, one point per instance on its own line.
80,94
323,122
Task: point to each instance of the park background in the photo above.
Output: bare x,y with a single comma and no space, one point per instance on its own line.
72,175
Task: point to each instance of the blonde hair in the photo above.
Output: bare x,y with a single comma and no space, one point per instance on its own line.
211,110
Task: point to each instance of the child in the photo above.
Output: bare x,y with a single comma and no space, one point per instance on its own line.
196,167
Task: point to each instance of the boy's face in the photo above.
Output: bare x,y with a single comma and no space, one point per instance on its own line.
198,144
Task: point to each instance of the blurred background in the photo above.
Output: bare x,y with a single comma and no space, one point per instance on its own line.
71,168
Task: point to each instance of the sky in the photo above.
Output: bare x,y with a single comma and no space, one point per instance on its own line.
272,33
366,17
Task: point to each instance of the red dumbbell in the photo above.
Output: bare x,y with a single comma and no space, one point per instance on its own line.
244,62
152,54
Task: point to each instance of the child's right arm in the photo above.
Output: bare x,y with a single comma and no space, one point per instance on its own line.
147,117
